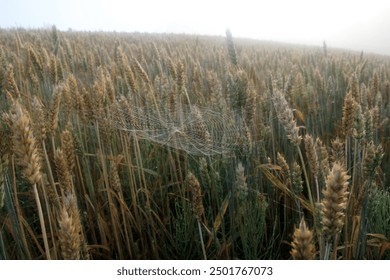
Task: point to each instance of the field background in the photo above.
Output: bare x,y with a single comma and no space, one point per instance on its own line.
148,146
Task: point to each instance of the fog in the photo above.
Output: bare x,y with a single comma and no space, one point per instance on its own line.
355,25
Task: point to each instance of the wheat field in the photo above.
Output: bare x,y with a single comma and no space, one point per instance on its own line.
151,146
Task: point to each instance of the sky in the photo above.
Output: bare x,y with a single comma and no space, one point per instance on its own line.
361,25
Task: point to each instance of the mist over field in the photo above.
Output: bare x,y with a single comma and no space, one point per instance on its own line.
356,25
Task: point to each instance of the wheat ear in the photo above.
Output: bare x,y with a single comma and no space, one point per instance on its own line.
68,236
194,185
302,244
28,158
334,204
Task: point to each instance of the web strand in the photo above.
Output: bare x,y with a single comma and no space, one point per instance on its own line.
197,131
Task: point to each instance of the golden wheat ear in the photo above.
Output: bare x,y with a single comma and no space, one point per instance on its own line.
302,244
24,144
197,205
68,236
335,201
194,185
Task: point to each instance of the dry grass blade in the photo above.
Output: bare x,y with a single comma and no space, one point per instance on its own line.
279,184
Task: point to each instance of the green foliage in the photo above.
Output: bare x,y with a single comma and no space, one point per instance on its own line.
378,215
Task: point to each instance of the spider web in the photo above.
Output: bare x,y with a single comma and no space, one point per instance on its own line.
197,131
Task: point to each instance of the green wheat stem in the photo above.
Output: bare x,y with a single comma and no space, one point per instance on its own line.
201,239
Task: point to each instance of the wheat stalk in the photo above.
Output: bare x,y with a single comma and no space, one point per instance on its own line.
54,108
348,114
10,85
286,116
28,158
63,172
231,48
68,147
311,153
